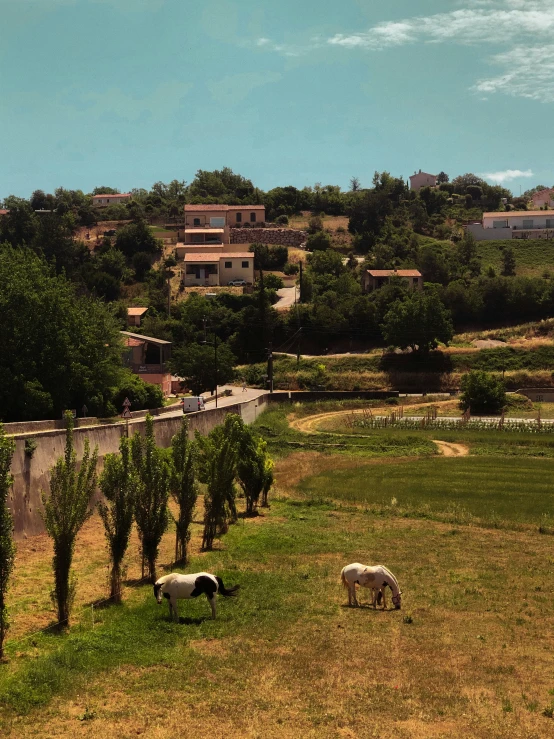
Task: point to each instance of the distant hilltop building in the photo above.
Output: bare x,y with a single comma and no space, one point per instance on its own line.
422,179
544,197
514,224
105,199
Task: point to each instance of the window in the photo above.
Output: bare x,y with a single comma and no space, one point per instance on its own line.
196,222
245,264
527,223
500,224
239,217
550,223
217,222
228,265
540,399
252,217
197,238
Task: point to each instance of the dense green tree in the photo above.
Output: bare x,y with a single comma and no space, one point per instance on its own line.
152,494
59,350
508,262
482,393
136,237
196,364
419,322
319,241
65,511
118,483
442,178
7,546
269,257
183,487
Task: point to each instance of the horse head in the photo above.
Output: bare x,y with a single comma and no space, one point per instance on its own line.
397,600
158,592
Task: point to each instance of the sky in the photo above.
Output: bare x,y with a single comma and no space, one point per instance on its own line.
125,93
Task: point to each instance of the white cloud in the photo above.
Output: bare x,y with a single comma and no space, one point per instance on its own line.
525,28
507,175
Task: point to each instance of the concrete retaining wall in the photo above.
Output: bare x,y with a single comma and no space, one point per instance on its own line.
32,474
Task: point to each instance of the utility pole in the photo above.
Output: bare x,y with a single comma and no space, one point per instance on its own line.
270,366
215,355
298,348
300,291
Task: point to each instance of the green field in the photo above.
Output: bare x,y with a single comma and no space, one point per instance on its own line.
470,653
533,256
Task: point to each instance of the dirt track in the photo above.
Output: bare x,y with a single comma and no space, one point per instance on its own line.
448,449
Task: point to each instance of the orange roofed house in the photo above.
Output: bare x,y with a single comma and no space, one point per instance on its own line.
147,357
216,269
105,199
208,226
373,279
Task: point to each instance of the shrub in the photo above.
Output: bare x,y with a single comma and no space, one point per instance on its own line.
482,393
282,220
143,395
319,241
272,282
290,268
315,224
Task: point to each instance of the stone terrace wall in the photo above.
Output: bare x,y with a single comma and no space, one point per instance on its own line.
278,236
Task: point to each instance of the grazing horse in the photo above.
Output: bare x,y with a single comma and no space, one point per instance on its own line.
377,578
175,587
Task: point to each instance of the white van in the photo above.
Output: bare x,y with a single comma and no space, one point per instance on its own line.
190,405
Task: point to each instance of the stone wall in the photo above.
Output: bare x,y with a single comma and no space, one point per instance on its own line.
277,236
32,473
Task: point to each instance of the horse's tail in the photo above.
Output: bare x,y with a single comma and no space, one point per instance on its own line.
343,579
227,592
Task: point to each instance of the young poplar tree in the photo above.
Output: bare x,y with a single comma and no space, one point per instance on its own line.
118,484
269,478
7,546
151,513
251,468
221,464
183,487
65,512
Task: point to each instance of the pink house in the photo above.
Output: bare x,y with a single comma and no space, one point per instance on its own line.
543,197
207,225
373,279
422,179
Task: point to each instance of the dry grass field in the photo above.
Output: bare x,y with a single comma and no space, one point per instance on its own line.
470,654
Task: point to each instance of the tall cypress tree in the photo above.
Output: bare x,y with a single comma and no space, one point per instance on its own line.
184,488
7,546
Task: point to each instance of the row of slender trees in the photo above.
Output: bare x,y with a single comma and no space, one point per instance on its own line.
136,485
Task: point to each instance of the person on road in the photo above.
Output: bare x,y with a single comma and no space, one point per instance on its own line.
243,387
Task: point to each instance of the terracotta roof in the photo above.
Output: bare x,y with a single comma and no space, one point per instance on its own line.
133,342
547,191
142,339
214,206
216,256
394,272
112,195
136,311
519,214
4,212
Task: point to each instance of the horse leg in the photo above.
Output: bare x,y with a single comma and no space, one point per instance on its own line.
173,606
211,601
384,590
355,597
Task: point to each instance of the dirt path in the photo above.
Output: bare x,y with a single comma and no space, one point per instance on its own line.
310,424
448,449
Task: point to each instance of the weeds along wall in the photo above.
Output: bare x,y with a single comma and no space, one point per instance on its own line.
31,468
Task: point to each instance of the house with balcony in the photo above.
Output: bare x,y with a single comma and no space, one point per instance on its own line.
373,279
105,199
147,357
514,224
218,269
422,179
208,226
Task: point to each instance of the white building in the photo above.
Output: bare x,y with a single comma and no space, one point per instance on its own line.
105,199
515,224
422,179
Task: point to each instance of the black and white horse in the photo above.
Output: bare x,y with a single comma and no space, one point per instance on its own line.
175,587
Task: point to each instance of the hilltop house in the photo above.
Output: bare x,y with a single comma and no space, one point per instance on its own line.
373,279
147,357
134,316
105,199
543,198
514,224
422,179
209,225
216,269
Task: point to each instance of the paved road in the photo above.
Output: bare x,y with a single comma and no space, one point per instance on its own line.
287,297
238,396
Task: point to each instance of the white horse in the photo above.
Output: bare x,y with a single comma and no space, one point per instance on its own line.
175,587
376,578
